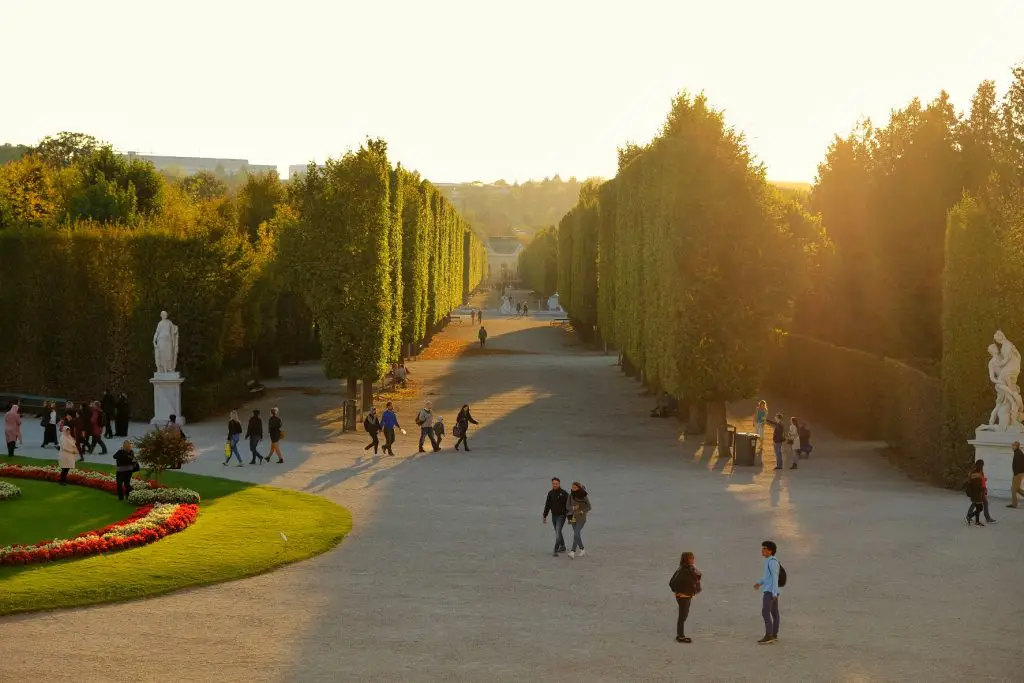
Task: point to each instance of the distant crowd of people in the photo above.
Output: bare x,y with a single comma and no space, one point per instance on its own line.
254,435
791,439
88,423
432,428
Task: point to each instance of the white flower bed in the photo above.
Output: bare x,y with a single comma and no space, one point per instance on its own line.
8,491
167,495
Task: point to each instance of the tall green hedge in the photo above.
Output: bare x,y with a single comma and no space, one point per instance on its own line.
578,258
87,300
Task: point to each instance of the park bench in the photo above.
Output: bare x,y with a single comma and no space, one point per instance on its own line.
256,390
30,404
559,321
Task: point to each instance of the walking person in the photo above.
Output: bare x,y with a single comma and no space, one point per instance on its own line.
984,499
108,406
254,433
769,585
579,508
975,491
83,419
425,420
389,423
760,418
68,453
793,441
49,422
685,584
804,432
274,426
480,316
439,431
371,423
526,309
12,429
96,422
234,434
472,316
122,414
482,336
461,430
126,466
778,438
556,503
1018,475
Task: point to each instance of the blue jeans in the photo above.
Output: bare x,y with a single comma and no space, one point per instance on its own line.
770,613
558,521
427,433
577,539
254,443
234,448
778,454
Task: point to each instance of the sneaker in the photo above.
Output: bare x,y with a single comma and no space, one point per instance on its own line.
778,468
990,521
581,552
766,640
239,465
225,463
554,554
571,554
1011,506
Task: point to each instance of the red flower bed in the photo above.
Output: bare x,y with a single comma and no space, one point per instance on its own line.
106,539
90,478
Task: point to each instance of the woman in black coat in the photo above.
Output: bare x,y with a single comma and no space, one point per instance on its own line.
122,414
462,427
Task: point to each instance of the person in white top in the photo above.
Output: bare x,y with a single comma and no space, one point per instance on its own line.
793,441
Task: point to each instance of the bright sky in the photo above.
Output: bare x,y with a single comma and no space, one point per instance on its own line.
479,89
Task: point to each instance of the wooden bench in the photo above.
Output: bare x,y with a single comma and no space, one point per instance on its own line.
560,321
256,390
31,404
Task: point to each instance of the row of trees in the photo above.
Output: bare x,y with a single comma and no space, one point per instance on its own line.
497,208
538,263
93,246
688,260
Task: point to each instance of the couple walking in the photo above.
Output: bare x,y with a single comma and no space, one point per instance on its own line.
573,506
254,433
685,584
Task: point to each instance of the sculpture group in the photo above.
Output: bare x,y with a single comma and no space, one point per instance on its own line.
1003,369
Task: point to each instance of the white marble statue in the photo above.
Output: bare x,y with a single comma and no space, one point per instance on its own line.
165,345
553,304
506,305
1003,370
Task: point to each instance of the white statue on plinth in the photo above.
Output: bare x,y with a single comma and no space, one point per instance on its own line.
553,304
165,345
506,305
1003,370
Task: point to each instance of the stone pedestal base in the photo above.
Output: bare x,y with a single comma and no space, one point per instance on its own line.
996,450
167,398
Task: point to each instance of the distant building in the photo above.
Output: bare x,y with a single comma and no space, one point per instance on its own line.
296,170
193,165
503,258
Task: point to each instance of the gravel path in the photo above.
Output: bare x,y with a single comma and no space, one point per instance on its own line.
448,574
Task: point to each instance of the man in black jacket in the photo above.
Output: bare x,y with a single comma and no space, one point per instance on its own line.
254,433
557,503
1018,474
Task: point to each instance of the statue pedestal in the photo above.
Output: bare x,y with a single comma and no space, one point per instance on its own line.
996,450
167,398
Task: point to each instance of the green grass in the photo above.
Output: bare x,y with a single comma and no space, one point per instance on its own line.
237,534
46,511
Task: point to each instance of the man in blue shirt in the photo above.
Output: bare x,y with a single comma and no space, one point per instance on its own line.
388,422
769,587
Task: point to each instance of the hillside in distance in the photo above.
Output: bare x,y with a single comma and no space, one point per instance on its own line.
500,209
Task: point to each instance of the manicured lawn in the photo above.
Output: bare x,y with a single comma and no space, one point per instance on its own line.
46,511
237,534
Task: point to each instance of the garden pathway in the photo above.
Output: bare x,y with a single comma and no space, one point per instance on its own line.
448,575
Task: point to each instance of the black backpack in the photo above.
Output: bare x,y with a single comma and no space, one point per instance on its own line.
677,583
782,576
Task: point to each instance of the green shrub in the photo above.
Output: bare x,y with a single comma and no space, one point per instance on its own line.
167,495
163,449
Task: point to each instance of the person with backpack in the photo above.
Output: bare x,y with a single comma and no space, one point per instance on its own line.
425,420
461,430
685,583
772,580
579,508
975,490
804,433
557,503
371,423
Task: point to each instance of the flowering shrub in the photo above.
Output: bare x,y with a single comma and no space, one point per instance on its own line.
147,524
163,449
90,478
8,491
163,495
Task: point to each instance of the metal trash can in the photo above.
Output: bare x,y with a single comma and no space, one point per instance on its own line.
746,449
349,424
726,438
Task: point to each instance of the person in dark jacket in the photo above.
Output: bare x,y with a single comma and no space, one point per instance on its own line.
83,418
685,584
122,414
579,510
976,492
254,433
371,423
557,503
461,430
389,423
779,428
439,432
1018,475
274,426
482,336
108,406
234,434
125,459
804,431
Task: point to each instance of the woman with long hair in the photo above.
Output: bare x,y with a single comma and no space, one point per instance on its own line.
461,430
975,491
579,508
68,453
685,583
760,419
234,434
793,441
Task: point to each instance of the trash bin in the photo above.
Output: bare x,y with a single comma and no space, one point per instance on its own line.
746,449
726,438
350,416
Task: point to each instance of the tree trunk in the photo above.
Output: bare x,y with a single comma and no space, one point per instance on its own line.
696,418
715,421
353,389
367,394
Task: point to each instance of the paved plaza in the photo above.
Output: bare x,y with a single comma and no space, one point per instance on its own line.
448,573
